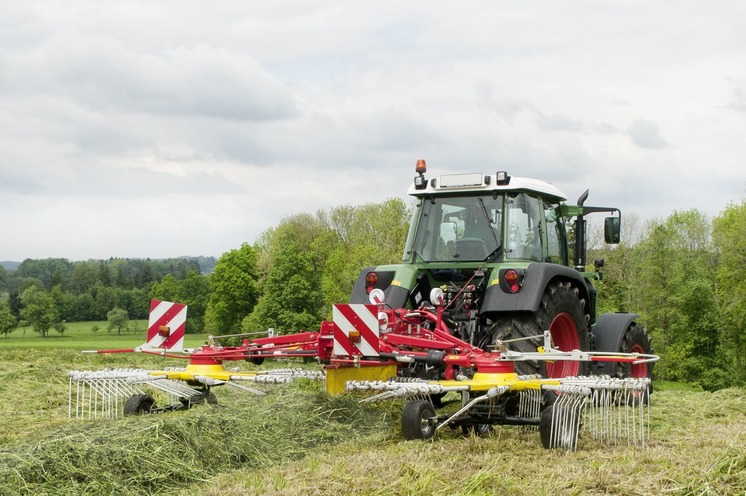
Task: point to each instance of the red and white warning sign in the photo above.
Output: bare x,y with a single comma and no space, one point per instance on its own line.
166,326
355,329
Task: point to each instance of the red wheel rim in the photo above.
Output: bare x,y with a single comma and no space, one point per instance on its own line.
565,338
640,369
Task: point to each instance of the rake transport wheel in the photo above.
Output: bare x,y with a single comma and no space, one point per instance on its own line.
562,311
479,430
256,360
415,420
564,432
139,404
203,397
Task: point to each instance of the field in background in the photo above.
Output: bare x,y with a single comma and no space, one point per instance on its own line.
296,440
81,336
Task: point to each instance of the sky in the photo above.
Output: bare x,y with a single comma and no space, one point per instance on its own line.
183,128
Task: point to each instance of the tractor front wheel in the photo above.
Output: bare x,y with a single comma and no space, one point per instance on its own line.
416,421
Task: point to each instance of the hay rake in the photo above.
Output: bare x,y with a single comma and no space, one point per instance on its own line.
115,392
609,409
395,354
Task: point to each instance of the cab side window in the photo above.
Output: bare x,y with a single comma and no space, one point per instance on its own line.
556,252
524,228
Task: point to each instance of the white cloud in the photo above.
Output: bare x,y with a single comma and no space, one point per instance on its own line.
646,134
212,122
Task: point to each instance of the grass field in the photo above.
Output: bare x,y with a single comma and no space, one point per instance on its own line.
82,336
298,440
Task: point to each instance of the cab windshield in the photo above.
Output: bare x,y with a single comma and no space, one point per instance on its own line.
461,229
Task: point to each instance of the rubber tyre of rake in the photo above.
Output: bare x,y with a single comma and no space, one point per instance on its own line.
139,404
415,422
256,360
203,397
562,311
545,429
480,430
636,340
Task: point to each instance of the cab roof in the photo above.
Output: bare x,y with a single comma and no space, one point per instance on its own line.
479,183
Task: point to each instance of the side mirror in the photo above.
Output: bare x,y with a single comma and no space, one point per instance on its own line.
612,230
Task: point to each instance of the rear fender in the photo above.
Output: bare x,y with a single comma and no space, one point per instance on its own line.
535,281
396,281
608,334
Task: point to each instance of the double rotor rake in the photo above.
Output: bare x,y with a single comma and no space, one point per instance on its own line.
371,349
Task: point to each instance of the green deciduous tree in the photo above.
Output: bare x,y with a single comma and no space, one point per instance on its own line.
60,327
8,322
118,319
234,290
730,239
618,291
308,263
39,309
677,296
291,288
370,234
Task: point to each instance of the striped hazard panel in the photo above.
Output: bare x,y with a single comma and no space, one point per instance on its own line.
166,326
355,330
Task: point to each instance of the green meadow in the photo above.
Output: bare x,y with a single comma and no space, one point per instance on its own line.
297,440
86,336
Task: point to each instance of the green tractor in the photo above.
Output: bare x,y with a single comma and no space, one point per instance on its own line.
499,247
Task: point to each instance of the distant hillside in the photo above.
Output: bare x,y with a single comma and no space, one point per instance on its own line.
10,265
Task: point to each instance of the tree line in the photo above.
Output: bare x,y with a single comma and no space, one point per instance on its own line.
684,275
47,292
288,279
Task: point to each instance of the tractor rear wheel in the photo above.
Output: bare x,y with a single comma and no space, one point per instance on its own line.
563,313
139,404
636,340
415,421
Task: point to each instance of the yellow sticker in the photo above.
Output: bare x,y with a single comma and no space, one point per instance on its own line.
395,283
494,281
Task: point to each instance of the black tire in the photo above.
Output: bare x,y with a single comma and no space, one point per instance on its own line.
139,404
256,360
480,430
415,422
636,340
203,397
562,311
567,437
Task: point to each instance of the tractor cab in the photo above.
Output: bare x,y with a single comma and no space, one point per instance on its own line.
484,219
